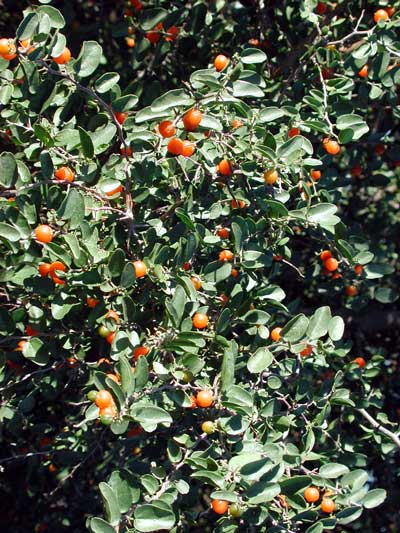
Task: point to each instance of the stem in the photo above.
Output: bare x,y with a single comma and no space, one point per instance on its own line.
374,423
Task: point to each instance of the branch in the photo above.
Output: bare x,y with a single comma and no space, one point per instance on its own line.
374,423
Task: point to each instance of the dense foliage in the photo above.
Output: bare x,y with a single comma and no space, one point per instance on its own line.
199,249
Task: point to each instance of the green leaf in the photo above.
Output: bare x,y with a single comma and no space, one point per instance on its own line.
374,498
333,470
28,26
348,515
125,103
295,329
336,328
116,262
86,143
270,114
262,492
319,323
250,56
56,19
152,17
73,208
128,276
125,371
385,295
106,82
98,525
153,517
110,503
89,59
319,213
246,89
228,366
217,271
8,170
182,215
155,415
293,147
7,325
9,232
174,98
34,349
141,373
295,484
259,361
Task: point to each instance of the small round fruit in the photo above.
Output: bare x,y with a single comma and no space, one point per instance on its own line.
44,269
240,204
114,377
234,273
315,175
140,269
271,176
331,264
311,494
350,290
103,399
356,171
172,33
103,331
236,123
44,233
360,361
219,506
91,302
192,119
327,505
187,376
321,8
220,62
106,419
200,320
166,129
130,42
91,395
330,146
154,35
57,265
64,57
225,255
235,510
276,334
187,266
110,337
358,269
379,149
140,351
208,427
293,132
65,174
175,146
121,117
7,47
224,167
188,149
223,233
196,282
113,315
307,351
324,255
381,14
204,398
363,72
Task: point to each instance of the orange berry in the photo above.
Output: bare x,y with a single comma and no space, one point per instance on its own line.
120,117
188,149
196,282
44,233
110,337
140,351
238,204
20,346
109,410
91,302
172,33
379,149
224,299
113,315
31,332
363,72
125,151
226,255
140,269
44,269
307,351
331,146
220,62
236,123
219,506
358,269
154,35
200,320
321,8
7,47
271,176
293,132
327,505
175,146
204,398
103,399
350,290
65,174
324,255
311,494
381,14
276,334
64,57
192,119
224,167
390,11
356,171
360,361
9,57
315,174
223,233
331,264
166,128
130,42
115,190
234,273
187,266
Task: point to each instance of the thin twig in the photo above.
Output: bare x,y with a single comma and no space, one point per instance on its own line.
374,423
